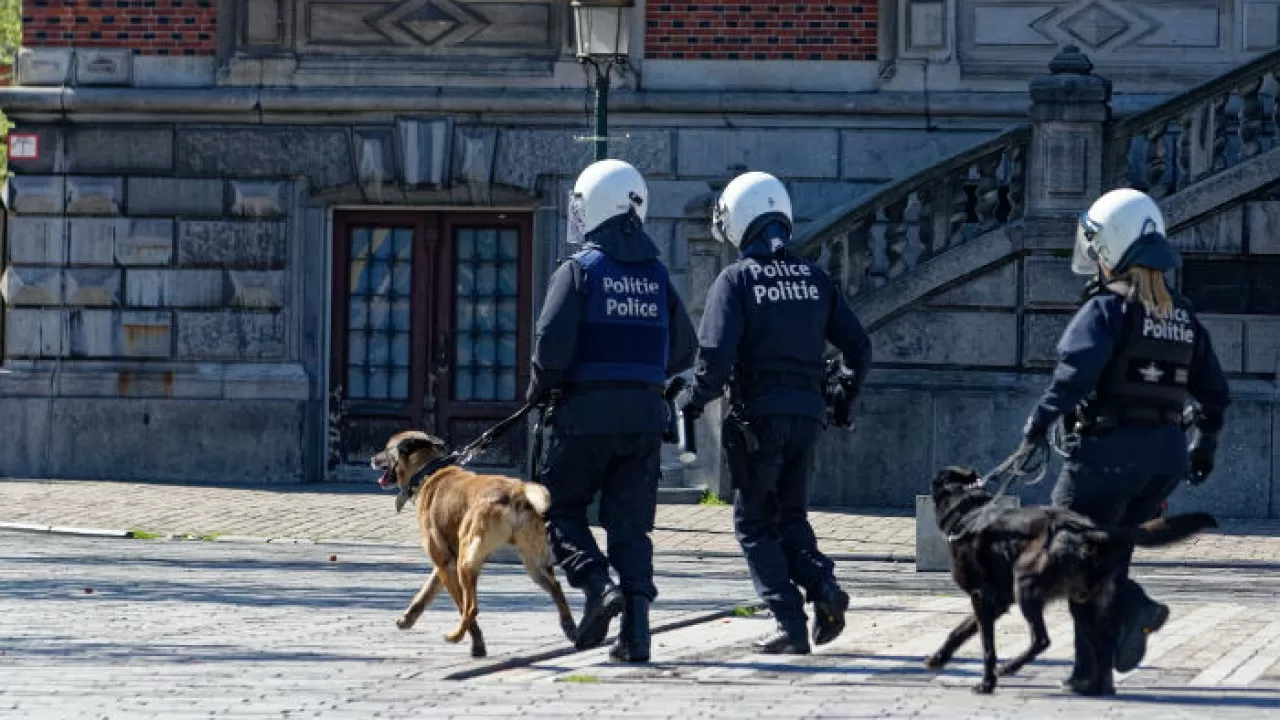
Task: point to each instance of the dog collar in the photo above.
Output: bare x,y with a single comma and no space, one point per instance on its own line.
421,476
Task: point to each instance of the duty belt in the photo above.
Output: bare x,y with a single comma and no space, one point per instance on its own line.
757,382
593,385
1106,419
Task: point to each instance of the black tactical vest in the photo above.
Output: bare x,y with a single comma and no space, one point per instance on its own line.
1152,361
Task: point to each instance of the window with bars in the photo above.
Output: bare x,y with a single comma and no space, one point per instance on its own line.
487,285
380,312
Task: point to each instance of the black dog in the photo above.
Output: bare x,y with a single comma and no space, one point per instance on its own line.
1035,555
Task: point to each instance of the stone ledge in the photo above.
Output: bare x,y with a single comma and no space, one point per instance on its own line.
212,381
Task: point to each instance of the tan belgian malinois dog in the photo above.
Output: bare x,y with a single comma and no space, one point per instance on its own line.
463,518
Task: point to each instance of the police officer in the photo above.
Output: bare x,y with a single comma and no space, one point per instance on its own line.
611,332
767,321
1128,363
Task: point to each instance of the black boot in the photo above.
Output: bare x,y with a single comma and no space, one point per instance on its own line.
604,602
829,607
1131,640
632,644
785,641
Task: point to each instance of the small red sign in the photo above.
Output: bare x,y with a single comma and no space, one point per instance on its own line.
24,146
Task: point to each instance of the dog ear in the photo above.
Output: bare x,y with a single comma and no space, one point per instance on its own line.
417,443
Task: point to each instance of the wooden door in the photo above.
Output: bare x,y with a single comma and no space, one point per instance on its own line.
482,367
381,344
431,331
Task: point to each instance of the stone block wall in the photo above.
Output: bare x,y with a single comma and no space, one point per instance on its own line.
150,313
142,268
761,30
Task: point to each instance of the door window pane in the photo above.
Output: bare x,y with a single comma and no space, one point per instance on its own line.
378,312
487,273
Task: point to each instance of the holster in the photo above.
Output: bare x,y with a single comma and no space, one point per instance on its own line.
739,441
546,418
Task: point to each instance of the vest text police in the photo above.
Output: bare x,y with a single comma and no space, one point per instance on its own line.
630,305
785,288
1176,328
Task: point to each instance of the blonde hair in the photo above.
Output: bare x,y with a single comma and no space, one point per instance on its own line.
1148,287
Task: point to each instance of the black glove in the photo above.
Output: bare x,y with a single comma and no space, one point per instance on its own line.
842,401
1202,450
1033,451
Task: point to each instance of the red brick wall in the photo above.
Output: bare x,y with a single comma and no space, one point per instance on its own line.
761,30
149,27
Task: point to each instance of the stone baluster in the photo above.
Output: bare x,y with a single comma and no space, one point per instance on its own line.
988,192
1121,168
859,256
1187,146
957,207
1218,131
1251,120
926,233
896,238
1157,162
1017,155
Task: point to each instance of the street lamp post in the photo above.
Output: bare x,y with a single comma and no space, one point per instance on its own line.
602,28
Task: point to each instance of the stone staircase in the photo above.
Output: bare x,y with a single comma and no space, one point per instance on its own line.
961,274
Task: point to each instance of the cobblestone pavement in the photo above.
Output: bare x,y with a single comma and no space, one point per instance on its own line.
355,513
191,629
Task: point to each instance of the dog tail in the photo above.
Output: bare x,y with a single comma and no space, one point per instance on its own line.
1166,530
538,496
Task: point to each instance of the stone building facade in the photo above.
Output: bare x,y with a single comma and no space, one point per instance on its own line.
253,245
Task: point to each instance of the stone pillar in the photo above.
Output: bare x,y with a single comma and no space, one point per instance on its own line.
1070,112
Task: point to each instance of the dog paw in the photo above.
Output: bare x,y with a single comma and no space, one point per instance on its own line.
935,662
479,652
454,637
986,687
406,622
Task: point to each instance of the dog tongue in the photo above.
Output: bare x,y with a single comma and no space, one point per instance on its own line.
385,480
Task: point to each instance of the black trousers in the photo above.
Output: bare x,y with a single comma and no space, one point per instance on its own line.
770,512
1106,485
624,470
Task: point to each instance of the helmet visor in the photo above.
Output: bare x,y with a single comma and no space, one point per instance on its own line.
1084,259
576,222
719,219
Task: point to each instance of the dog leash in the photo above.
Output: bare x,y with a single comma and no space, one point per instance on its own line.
1024,461
462,457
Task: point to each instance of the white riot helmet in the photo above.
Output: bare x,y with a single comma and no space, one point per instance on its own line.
747,203
1122,229
604,190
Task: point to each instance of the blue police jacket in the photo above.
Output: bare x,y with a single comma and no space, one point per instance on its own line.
767,322
625,333
1087,352
601,341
